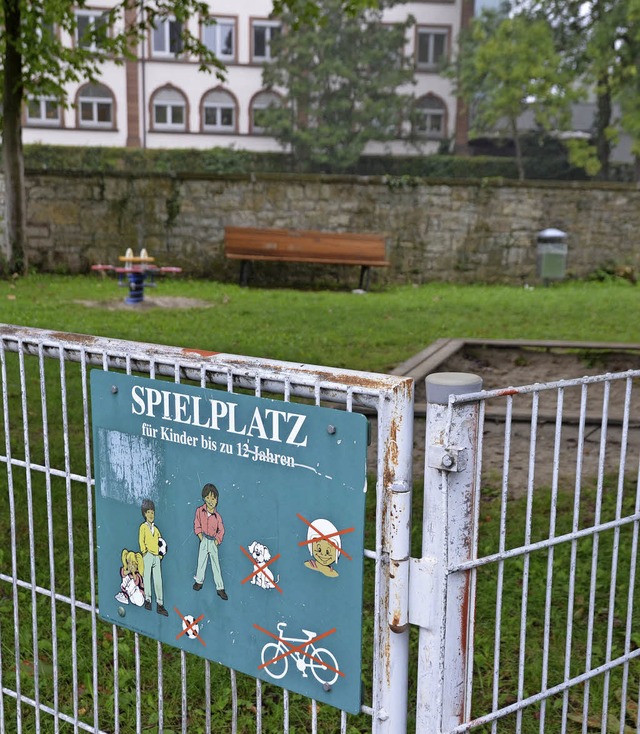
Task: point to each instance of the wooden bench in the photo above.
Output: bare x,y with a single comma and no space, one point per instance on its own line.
304,246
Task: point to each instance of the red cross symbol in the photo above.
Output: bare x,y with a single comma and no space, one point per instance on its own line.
260,568
189,626
322,536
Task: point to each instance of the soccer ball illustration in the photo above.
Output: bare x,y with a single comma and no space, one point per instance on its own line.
193,629
162,547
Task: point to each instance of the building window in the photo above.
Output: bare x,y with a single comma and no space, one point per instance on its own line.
261,102
429,119
46,31
43,111
166,38
218,112
95,106
263,33
169,110
91,27
432,48
219,36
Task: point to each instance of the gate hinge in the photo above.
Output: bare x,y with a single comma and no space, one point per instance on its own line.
446,459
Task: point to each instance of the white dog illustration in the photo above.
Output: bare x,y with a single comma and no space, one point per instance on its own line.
261,554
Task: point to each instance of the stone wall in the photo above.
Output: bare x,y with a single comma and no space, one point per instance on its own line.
435,230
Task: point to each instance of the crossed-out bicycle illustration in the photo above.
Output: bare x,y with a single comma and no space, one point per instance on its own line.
275,656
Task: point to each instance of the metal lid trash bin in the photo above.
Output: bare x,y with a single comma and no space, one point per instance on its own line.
552,254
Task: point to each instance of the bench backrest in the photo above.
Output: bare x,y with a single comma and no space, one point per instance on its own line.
253,243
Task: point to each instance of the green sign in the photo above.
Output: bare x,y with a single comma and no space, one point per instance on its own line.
232,527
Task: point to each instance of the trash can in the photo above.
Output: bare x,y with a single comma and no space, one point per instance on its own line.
552,254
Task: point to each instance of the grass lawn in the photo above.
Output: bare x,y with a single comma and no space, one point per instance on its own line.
372,332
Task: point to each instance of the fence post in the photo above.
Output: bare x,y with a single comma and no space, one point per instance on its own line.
391,653
442,603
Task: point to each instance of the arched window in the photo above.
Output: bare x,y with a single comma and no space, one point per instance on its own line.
218,112
95,106
169,108
430,117
261,102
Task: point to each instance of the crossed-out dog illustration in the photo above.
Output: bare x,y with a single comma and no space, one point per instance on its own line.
261,554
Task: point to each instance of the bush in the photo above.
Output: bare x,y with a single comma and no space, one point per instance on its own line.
227,161
222,161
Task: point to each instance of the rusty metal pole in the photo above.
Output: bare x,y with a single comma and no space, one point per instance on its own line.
391,649
442,603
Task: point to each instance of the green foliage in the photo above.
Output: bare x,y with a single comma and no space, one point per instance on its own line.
214,160
600,42
341,75
626,84
226,161
584,155
508,66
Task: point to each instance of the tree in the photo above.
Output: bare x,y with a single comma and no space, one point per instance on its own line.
599,41
625,76
34,61
508,65
341,76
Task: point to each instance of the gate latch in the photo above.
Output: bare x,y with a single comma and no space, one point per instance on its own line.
447,459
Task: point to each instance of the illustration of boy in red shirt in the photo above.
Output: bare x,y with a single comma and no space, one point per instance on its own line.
209,528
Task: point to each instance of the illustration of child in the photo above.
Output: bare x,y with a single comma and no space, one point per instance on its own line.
149,538
132,585
209,528
324,553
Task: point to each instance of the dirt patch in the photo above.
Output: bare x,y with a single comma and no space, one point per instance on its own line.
148,304
502,367
579,431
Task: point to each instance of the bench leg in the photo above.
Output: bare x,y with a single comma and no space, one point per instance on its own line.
365,277
245,271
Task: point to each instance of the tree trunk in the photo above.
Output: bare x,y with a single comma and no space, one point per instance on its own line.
15,202
602,122
516,142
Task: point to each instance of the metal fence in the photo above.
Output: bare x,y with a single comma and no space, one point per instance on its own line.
61,667
530,620
521,586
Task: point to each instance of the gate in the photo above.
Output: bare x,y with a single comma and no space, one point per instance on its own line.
527,602
521,586
61,667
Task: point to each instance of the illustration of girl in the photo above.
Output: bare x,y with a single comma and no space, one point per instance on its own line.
132,586
324,553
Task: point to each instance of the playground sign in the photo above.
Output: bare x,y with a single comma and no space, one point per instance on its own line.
232,527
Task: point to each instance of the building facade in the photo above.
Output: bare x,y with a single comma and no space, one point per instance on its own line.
161,99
